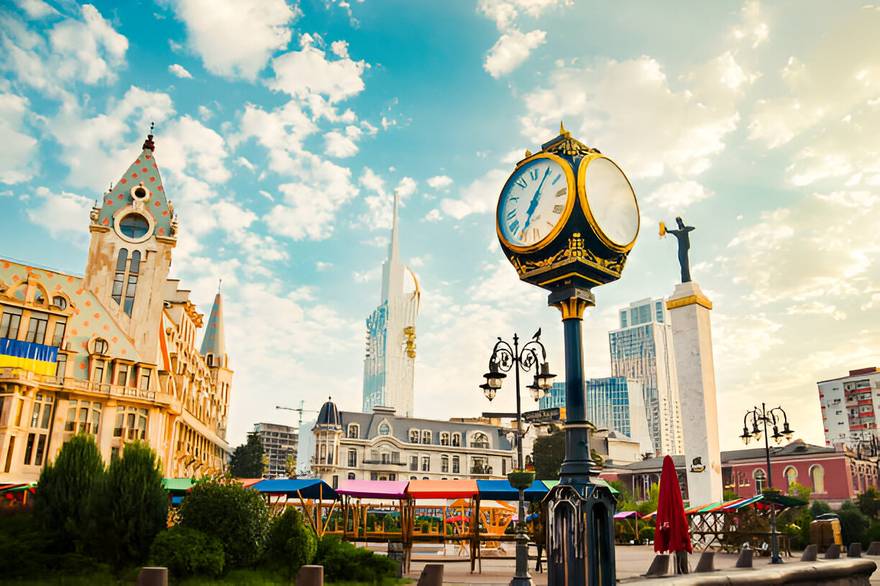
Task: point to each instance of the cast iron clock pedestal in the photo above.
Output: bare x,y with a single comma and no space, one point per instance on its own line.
567,218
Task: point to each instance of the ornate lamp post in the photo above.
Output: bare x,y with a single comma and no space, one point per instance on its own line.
505,358
761,416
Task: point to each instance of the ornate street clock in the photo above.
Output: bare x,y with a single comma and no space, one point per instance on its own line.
567,216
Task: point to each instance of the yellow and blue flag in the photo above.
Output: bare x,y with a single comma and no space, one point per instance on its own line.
30,356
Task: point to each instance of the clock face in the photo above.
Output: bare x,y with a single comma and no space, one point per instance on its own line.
609,201
535,202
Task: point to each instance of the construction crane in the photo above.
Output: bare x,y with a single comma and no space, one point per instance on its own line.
299,410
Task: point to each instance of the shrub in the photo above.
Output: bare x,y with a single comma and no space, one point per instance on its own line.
130,506
187,552
344,561
853,523
289,543
819,508
235,515
24,544
65,487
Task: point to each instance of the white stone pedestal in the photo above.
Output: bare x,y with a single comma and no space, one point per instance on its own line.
692,338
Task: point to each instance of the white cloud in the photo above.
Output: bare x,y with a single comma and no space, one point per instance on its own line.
478,197
816,308
342,144
180,71
308,71
505,12
236,39
17,148
440,182
36,8
62,214
379,202
246,164
323,266
188,146
510,50
677,195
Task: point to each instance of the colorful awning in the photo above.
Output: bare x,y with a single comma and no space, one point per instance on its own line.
441,489
177,485
295,487
501,490
380,489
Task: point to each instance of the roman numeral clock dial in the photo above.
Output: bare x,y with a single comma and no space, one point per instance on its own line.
535,203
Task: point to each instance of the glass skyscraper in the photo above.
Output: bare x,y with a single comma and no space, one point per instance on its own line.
642,349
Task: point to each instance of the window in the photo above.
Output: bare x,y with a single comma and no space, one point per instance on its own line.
760,479
426,436
131,423
414,463
323,457
456,439
9,451
42,413
145,379
817,479
352,458
414,436
98,375
444,464
58,334
61,365
354,430
374,476
480,440
59,302
444,438
101,346
133,270
386,457
480,466
134,226
9,323
384,429
119,278
36,331
426,464
790,476
83,417
456,467
122,375
395,457
351,475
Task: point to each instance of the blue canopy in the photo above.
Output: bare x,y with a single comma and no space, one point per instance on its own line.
500,490
307,488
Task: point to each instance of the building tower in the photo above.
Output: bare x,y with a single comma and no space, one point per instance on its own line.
642,349
389,361
327,432
214,351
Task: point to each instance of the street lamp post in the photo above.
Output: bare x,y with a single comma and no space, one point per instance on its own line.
763,416
505,358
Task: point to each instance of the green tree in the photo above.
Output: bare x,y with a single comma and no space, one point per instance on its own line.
130,506
869,502
650,505
235,515
66,485
290,544
247,459
547,454
853,523
187,552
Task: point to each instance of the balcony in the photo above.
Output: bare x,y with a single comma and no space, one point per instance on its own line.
21,376
383,462
481,470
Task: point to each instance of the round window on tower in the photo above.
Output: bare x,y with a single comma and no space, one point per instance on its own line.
140,193
134,227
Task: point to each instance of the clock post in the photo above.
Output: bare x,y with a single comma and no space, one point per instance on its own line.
567,218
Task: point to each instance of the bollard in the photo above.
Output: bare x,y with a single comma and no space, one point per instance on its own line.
432,575
153,577
854,551
706,563
811,552
659,566
874,548
310,576
745,558
833,552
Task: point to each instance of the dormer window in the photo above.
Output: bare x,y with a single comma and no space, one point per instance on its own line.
101,346
59,302
456,439
444,438
480,440
414,436
384,429
426,436
354,430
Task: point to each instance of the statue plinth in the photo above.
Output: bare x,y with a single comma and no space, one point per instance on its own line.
689,312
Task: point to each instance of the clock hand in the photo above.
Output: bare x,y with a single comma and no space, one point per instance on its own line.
535,198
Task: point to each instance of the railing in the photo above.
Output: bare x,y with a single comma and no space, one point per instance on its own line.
20,375
478,470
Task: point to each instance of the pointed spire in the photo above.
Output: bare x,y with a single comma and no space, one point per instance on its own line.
149,145
214,341
392,269
393,250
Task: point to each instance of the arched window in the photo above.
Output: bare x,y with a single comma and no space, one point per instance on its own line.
456,439
760,480
59,302
817,478
354,430
790,476
444,463
456,466
414,436
119,279
351,475
384,429
480,440
444,438
101,346
426,436
133,270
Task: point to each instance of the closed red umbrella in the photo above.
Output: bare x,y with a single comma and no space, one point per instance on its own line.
671,531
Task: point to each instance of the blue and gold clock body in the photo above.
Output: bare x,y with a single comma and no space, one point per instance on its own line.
567,216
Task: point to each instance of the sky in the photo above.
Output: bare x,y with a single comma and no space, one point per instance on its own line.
283,130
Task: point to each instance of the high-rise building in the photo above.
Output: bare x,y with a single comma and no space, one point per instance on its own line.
849,407
280,444
642,349
389,362
113,353
614,403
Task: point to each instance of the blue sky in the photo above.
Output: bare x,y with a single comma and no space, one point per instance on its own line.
283,129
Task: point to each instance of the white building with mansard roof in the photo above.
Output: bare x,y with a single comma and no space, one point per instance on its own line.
113,353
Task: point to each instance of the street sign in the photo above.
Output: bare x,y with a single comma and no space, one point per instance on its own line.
545,415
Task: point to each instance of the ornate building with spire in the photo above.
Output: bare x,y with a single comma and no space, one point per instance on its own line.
389,363
113,353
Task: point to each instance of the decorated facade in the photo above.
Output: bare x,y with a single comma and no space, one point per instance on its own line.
113,353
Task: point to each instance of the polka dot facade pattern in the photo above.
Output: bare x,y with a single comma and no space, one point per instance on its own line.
120,195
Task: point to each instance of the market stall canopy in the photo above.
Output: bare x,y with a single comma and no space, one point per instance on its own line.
627,515
177,485
248,482
501,490
441,489
305,488
379,489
